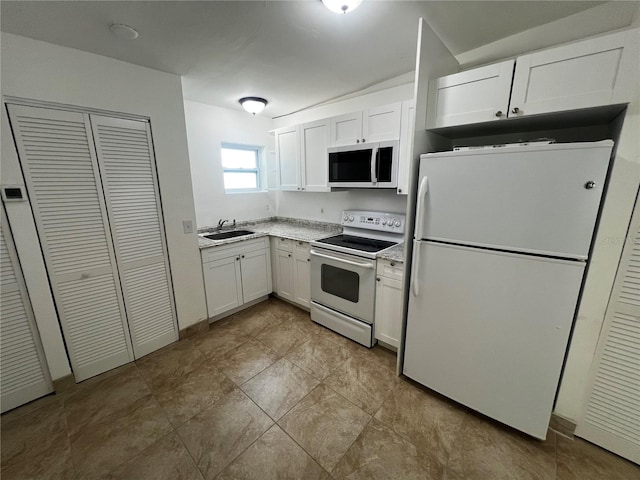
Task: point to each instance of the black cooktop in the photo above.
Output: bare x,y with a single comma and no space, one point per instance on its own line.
358,243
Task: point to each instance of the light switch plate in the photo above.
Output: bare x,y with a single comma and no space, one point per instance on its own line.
187,226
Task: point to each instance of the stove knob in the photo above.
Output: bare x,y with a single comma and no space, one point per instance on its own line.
397,224
346,218
384,221
351,218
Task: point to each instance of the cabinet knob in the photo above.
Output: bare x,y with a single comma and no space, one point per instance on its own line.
237,259
289,255
242,256
515,110
590,184
393,264
499,113
363,140
377,279
358,140
399,190
302,188
308,259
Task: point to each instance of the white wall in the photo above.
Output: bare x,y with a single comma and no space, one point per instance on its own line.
327,207
207,128
43,71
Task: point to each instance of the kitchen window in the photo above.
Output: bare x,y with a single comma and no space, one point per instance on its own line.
241,168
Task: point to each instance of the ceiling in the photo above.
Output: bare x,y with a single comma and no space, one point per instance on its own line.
294,53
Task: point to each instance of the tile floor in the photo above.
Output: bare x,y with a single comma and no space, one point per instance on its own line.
267,394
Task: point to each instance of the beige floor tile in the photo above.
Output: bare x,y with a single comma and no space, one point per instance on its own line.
485,449
216,436
580,460
364,381
247,361
428,421
325,424
167,459
198,390
95,401
278,388
36,446
283,336
165,369
100,447
380,453
219,340
318,357
274,457
51,401
255,319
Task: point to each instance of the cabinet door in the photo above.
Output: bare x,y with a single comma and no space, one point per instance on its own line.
380,124
407,123
288,154
255,275
223,285
315,138
478,95
388,320
346,129
128,172
24,375
285,274
583,74
302,275
62,177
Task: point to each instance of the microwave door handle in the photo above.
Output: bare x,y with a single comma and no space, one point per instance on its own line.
374,165
377,164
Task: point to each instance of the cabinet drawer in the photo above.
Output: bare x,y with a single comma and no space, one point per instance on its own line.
216,253
301,249
285,244
390,269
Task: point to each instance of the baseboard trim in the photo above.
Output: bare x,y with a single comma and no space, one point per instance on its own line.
196,328
562,425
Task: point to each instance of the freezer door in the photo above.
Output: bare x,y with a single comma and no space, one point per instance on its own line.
542,199
490,329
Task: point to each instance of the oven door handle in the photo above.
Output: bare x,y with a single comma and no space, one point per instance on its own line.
348,262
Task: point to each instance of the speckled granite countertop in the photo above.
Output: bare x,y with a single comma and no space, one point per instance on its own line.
295,229
302,230
394,253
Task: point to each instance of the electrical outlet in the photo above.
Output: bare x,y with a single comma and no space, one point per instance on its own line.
322,210
187,226
266,207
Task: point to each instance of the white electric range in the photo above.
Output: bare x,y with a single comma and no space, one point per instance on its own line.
343,272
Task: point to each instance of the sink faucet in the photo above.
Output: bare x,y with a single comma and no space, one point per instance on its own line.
221,223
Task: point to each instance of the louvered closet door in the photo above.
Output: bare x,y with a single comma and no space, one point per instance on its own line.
127,166
612,415
24,375
61,172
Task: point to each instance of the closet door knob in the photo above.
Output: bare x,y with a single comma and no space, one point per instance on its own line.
515,110
499,113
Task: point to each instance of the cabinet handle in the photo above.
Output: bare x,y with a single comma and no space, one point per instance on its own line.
515,110
499,113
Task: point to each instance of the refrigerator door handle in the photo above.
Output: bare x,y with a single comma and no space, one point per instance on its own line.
422,194
415,269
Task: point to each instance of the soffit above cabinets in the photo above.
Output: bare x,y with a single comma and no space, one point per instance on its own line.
294,53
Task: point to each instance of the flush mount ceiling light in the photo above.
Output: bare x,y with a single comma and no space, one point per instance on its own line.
253,104
342,6
123,31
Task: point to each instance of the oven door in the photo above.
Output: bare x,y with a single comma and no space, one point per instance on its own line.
345,283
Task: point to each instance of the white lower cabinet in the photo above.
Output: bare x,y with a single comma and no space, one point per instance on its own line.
388,316
236,274
293,275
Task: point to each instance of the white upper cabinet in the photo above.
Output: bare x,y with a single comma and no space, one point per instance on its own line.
579,75
314,141
375,124
478,95
288,154
346,129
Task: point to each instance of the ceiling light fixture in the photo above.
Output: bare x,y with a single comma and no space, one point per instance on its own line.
253,104
342,6
123,31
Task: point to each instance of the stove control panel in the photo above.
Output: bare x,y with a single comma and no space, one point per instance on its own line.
381,221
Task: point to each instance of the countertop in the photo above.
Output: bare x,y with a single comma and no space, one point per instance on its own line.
292,228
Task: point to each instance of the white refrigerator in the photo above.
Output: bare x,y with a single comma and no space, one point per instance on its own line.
501,242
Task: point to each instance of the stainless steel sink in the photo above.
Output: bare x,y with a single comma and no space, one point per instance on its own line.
225,235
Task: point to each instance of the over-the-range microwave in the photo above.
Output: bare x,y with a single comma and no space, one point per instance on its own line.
367,165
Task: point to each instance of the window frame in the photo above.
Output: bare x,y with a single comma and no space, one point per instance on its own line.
257,170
